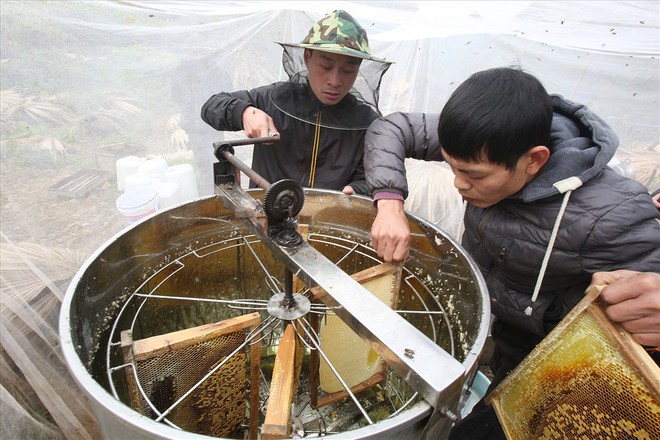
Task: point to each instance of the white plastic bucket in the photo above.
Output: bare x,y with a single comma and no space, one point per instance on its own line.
137,180
126,166
138,202
168,194
184,175
156,167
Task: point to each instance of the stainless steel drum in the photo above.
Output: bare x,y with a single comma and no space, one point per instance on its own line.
198,263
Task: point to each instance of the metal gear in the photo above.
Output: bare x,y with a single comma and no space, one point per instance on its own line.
284,198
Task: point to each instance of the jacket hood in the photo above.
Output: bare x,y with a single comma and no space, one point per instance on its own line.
582,145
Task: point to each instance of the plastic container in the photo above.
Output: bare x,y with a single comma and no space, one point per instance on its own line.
156,167
184,175
168,194
475,393
126,166
138,202
138,179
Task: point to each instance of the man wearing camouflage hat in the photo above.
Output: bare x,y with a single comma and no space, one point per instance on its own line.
319,116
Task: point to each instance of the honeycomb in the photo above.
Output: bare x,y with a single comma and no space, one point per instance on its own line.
580,383
351,355
218,406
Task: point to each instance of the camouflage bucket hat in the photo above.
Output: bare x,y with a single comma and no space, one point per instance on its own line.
338,33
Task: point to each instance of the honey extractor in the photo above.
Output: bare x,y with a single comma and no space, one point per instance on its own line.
175,278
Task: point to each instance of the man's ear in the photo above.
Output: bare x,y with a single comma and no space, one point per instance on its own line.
538,156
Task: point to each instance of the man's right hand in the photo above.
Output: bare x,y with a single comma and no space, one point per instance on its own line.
633,299
257,123
390,232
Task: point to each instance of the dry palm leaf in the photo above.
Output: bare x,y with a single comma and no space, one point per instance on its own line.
180,156
179,140
28,269
53,145
122,105
646,164
174,122
10,101
38,108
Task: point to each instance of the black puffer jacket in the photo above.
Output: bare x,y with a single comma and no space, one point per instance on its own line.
340,152
610,221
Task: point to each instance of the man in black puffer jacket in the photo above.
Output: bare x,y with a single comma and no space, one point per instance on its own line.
544,212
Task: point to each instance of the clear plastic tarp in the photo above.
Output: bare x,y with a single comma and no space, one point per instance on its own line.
96,89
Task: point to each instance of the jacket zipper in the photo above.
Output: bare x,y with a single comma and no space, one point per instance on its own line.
315,150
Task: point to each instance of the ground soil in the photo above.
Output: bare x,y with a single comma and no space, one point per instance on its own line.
33,212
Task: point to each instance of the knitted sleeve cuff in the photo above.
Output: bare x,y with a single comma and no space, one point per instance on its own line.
387,195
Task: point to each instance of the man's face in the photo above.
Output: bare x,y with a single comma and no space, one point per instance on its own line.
331,76
483,183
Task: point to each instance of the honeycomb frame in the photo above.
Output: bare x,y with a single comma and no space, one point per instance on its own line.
588,379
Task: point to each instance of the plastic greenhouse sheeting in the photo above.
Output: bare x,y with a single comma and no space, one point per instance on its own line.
86,83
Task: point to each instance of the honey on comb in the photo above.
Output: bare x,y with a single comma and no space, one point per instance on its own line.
579,383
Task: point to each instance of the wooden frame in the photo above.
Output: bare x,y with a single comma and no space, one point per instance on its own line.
548,380
153,347
318,294
283,385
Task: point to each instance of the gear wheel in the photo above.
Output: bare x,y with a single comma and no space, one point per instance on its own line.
284,198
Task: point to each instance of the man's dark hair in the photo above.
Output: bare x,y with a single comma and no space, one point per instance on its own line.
497,113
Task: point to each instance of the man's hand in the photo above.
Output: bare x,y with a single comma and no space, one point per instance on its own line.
633,299
257,123
390,232
656,200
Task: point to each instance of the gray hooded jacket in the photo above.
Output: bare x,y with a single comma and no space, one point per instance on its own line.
609,221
